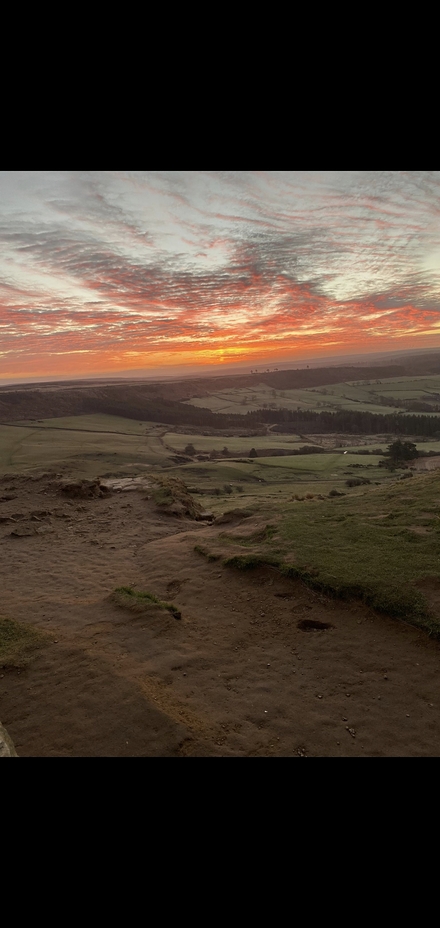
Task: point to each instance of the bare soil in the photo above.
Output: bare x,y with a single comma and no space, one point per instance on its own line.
257,665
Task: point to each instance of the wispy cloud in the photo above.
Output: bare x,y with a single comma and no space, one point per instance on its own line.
144,269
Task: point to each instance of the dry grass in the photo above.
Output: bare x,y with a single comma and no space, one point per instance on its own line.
18,644
142,602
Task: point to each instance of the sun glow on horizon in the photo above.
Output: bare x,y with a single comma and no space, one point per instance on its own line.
101,271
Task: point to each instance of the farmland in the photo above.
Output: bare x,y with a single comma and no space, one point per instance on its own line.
366,396
298,566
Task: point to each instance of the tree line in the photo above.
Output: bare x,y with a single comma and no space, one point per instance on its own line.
346,420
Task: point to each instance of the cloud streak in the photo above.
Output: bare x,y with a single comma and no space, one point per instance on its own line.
112,270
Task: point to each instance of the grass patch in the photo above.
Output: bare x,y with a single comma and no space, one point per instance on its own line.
250,561
257,537
366,547
205,553
18,644
172,496
137,601
82,444
379,547
410,606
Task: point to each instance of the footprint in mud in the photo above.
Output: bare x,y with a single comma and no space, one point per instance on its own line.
173,587
313,625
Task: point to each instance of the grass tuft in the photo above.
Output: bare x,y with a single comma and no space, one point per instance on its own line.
137,600
205,553
18,644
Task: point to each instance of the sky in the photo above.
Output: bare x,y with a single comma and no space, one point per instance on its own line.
107,272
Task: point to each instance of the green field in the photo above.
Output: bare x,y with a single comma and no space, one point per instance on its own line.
94,423
321,463
101,446
379,544
265,484
79,448
345,523
363,396
382,542
237,445
316,399
395,385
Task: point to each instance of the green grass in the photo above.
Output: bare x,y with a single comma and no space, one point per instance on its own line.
172,495
94,423
210,556
236,445
320,463
368,545
256,537
83,453
18,643
376,544
272,482
358,395
428,446
136,600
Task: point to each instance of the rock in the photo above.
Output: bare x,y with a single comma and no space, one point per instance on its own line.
23,531
125,484
6,744
84,489
232,515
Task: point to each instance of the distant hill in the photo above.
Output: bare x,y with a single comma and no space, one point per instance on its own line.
163,401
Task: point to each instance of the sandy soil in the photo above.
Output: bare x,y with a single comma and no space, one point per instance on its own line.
247,671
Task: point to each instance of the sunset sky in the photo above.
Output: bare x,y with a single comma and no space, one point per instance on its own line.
111,271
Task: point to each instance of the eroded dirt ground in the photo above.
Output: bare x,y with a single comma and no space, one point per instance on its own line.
257,665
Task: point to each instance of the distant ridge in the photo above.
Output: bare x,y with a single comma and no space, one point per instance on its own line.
164,400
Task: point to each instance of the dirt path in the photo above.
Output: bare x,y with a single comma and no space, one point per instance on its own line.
257,665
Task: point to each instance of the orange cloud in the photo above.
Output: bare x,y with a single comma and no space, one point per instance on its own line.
251,266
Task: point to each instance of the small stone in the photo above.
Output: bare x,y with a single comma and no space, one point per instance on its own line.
319,697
